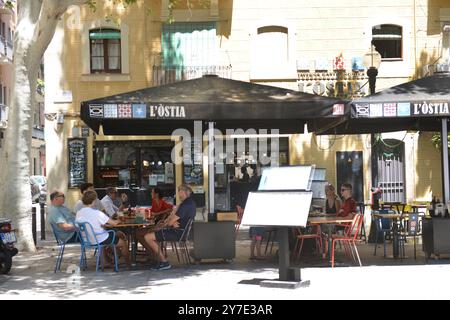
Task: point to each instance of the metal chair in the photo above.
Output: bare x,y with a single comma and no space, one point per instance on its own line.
349,239
181,243
61,244
301,236
412,228
88,239
383,227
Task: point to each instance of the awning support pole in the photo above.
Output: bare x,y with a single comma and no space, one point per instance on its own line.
445,167
211,190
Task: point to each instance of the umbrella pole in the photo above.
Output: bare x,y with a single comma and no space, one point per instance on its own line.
445,166
210,169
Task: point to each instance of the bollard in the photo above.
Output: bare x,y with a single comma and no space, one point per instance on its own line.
42,221
33,224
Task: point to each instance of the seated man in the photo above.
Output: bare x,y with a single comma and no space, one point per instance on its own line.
348,207
97,219
185,212
97,203
61,219
108,202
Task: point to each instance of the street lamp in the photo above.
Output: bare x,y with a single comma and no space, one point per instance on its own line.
372,61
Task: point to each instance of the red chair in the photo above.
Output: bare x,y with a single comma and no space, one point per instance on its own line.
240,214
349,239
301,236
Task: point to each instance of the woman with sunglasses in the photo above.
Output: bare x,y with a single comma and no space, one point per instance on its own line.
332,203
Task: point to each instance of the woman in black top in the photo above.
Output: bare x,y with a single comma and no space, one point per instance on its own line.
333,203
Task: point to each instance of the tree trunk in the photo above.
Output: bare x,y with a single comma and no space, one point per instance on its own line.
36,26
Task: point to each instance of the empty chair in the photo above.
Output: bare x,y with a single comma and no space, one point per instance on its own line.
348,239
411,228
300,236
89,240
383,228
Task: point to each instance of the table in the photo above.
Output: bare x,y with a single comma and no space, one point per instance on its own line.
329,220
130,226
395,233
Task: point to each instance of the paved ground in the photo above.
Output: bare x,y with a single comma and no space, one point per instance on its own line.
33,277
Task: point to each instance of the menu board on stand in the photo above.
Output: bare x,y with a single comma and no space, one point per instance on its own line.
77,148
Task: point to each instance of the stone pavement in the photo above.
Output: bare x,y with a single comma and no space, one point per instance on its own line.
32,277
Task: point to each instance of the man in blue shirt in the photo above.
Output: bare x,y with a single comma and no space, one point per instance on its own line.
184,213
61,218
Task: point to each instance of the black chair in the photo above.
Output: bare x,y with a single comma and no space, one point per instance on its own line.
180,244
411,228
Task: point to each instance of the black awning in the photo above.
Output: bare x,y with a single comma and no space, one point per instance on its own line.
229,103
415,105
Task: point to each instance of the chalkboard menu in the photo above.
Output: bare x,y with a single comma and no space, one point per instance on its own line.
77,161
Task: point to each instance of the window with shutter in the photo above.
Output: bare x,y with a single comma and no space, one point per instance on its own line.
387,39
105,51
189,44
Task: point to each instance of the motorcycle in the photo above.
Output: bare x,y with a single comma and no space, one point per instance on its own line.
7,250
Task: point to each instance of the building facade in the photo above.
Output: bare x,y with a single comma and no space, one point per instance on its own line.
312,47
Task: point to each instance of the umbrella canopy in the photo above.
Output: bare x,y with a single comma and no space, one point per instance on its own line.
416,105
229,103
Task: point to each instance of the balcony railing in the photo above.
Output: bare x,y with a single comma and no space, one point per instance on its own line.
165,75
6,51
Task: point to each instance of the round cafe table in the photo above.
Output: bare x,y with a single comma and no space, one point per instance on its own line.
129,225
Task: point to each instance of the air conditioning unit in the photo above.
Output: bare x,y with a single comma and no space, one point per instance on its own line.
3,124
442,67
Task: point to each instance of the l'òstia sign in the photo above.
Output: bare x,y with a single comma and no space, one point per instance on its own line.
136,111
401,109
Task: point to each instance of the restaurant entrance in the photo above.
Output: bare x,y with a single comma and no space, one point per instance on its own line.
135,167
240,172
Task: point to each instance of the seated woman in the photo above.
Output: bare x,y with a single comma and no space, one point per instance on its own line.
97,219
159,206
332,203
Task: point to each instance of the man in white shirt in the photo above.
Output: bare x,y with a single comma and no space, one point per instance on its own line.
97,220
108,202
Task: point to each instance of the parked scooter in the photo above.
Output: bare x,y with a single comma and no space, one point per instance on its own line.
7,250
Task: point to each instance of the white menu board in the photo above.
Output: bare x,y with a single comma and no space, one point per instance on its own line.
287,178
273,208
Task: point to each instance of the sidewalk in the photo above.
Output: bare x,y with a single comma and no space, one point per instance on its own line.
32,277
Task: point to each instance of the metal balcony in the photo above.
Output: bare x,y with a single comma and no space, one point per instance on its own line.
165,75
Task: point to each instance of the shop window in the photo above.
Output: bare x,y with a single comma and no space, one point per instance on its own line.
387,39
105,51
143,164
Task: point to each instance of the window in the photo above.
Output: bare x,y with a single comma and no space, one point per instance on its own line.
387,39
189,44
105,51
273,43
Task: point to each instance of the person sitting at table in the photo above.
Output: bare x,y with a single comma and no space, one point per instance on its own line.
348,208
181,216
159,205
97,203
108,202
61,218
97,220
332,203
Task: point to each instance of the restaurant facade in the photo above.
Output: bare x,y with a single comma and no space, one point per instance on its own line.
280,44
